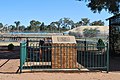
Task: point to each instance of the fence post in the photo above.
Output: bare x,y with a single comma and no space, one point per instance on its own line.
85,46
22,55
27,41
107,57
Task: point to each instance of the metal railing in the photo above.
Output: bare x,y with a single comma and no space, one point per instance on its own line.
63,56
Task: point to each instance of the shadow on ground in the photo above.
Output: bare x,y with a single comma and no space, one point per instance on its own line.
115,63
8,57
13,54
9,60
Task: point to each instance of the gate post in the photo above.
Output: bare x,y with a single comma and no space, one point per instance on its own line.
85,46
22,55
107,57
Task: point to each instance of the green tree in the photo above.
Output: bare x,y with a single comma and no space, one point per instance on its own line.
22,28
85,21
11,28
49,28
28,28
97,23
1,25
112,6
53,26
66,23
5,29
17,23
77,24
42,26
34,25
37,25
58,25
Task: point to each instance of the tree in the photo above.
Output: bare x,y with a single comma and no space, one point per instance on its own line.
85,21
42,26
17,23
49,28
5,29
66,23
77,24
58,25
112,6
11,28
97,23
37,25
22,28
53,26
1,25
34,25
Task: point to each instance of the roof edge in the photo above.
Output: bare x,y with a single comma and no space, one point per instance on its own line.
113,16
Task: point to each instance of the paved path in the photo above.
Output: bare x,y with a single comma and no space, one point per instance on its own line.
9,65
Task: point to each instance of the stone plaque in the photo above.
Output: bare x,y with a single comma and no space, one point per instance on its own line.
63,39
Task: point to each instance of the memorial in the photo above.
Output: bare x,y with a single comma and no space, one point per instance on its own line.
64,52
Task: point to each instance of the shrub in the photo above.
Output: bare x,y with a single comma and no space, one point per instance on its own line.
90,32
10,46
76,34
100,44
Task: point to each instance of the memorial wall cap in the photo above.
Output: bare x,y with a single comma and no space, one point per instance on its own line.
63,39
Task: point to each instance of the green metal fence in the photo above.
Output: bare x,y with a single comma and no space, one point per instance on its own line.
23,54
88,56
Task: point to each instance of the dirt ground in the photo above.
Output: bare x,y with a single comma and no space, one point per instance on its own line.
9,66
61,76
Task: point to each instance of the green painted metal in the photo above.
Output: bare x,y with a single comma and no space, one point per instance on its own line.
22,55
107,57
88,56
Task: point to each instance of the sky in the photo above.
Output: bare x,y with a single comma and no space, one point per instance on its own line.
46,11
